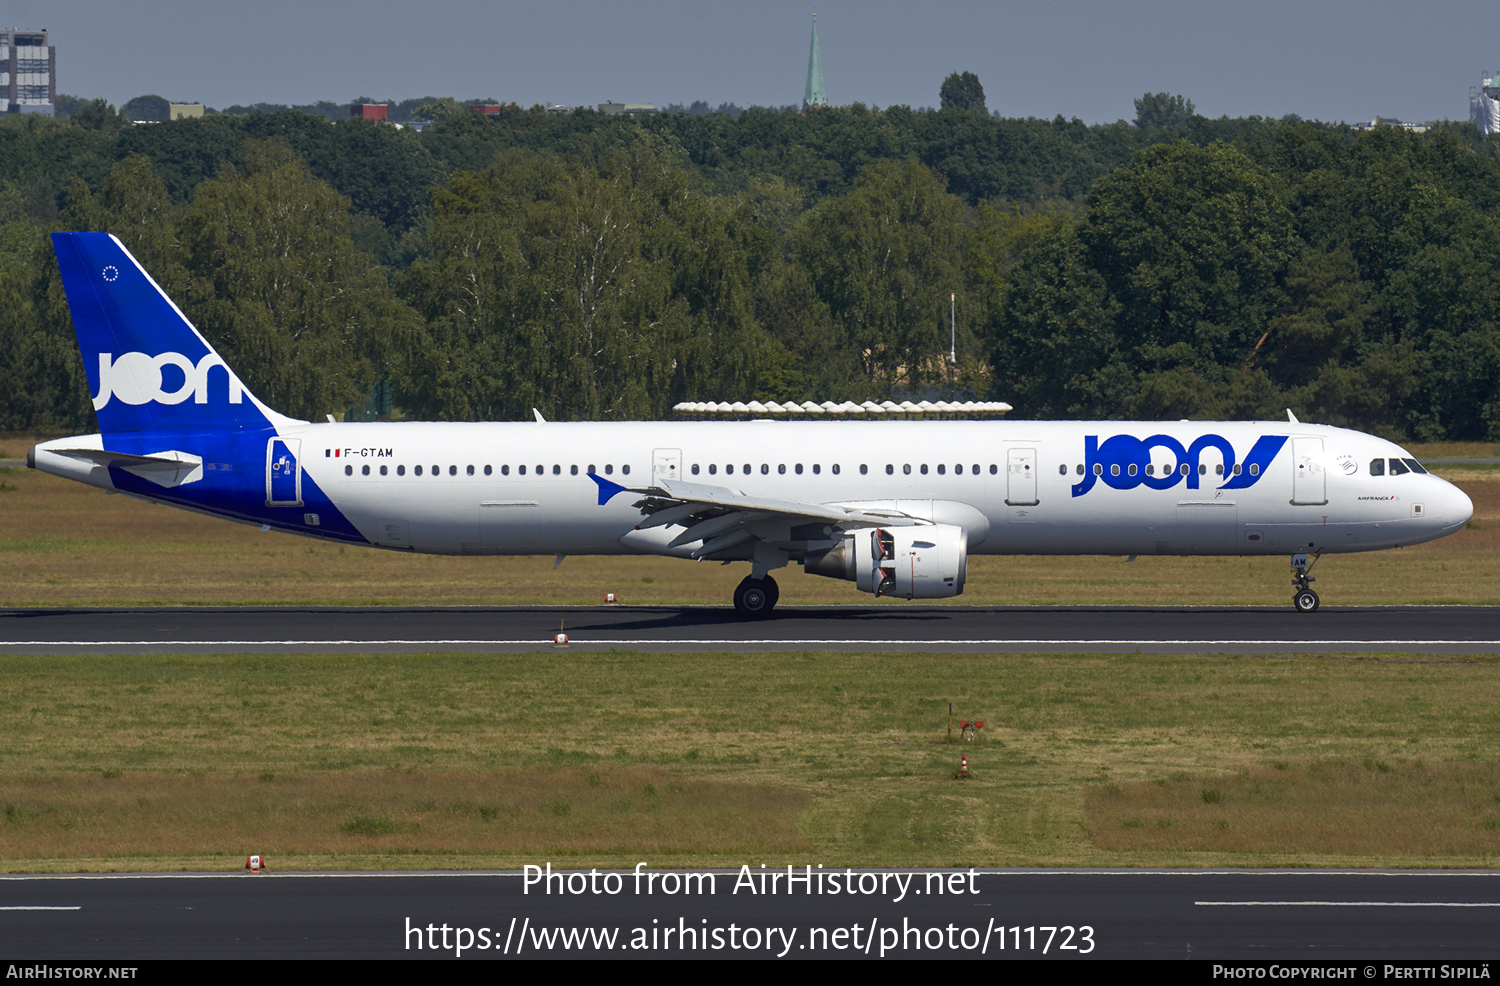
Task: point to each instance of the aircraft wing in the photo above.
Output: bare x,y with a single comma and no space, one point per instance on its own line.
721,517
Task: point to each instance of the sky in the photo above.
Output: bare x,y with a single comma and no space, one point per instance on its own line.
1078,58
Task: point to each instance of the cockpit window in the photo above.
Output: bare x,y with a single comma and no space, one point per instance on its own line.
1377,467
1398,468
1416,466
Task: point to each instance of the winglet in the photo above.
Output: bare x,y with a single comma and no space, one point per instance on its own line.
607,490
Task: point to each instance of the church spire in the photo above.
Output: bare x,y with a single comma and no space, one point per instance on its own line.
814,96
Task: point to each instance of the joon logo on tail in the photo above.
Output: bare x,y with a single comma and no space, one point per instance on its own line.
136,378
1124,462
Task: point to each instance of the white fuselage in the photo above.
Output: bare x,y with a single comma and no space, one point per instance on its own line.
524,489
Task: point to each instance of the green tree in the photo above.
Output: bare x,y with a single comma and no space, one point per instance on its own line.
962,91
1162,111
588,291
146,109
278,288
1055,351
884,259
1191,243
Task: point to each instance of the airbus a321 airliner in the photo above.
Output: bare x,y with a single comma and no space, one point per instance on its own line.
896,507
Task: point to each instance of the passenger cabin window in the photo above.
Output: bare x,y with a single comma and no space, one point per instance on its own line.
864,470
348,470
400,470
712,469
417,471
625,469
364,470
798,468
383,469
695,469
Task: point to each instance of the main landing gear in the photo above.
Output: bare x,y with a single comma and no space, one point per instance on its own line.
1304,599
755,598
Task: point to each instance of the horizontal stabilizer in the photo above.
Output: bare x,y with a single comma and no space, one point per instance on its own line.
165,469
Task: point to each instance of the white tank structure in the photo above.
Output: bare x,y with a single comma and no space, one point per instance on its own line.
1484,105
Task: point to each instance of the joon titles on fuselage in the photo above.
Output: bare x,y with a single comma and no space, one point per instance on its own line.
896,507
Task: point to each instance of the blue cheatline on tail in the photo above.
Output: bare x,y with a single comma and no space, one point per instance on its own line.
148,367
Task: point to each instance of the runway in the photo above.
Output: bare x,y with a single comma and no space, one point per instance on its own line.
1446,916
893,627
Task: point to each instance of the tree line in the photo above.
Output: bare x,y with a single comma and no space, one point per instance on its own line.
597,267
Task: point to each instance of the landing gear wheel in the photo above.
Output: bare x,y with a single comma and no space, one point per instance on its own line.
755,598
773,590
1306,601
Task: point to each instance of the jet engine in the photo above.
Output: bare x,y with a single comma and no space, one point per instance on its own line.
928,562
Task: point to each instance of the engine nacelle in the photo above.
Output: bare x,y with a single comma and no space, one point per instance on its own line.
910,562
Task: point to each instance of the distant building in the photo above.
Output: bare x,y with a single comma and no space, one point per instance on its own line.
814,95
181,111
626,109
1416,128
370,111
487,109
28,73
1484,104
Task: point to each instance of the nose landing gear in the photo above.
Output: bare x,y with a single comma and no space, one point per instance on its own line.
1304,599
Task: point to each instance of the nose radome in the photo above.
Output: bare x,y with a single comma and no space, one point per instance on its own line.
1457,507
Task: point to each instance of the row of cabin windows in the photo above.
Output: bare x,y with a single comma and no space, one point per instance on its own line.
817,469
1399,467
1131,469
557,470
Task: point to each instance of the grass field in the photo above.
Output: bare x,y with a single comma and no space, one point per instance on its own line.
62,543
611,758
605,759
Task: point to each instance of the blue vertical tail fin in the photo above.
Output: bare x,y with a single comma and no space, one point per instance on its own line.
148,367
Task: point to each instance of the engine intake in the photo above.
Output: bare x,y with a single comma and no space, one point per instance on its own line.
910,562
